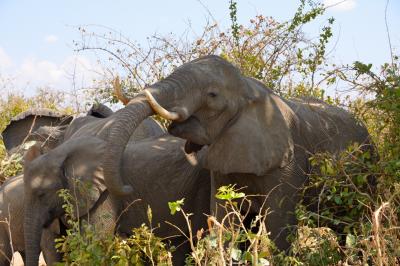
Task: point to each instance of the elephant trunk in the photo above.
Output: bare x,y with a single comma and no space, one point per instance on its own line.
126,120
32,233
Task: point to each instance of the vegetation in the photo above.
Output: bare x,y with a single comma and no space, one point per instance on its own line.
359,189
84,244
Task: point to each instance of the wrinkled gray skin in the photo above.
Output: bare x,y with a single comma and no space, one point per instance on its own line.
81,154
255,138
11,224
157,168
49,128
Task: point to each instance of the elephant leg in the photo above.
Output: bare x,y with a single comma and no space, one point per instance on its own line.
105,213
280,202
47,244
281,217
5,249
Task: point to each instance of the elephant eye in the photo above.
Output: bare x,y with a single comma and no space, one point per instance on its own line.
212,94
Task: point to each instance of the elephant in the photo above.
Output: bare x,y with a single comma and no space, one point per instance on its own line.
33,125
48,126
11,224
22,127
157,167
52,128
255,139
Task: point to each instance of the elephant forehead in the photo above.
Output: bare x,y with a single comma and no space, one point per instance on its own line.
40,181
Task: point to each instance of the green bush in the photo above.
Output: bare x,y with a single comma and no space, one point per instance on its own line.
84,244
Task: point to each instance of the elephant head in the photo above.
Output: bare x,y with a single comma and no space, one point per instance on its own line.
25,127
45,174
245,125
100,110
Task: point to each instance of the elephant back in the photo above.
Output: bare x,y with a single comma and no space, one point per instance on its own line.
22,126
325,127
148,128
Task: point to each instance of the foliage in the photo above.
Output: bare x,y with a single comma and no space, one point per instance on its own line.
315,246
277,53
234,23
228,241
345,187
84,244
359,194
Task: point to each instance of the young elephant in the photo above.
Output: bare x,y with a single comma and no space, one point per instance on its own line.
11,224
157,168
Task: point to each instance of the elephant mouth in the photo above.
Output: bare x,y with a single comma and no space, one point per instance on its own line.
191,147
191,130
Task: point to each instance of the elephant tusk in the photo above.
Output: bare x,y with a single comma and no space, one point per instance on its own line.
118,91
157,108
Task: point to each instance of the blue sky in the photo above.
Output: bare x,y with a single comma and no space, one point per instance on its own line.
36,36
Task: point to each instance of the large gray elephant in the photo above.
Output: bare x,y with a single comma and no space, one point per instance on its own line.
11,225
157,167
255,138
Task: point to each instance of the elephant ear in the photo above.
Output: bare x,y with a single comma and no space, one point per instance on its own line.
257,142
50,136
22,127
80,160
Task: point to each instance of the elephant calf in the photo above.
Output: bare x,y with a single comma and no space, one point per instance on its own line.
11,224
157,168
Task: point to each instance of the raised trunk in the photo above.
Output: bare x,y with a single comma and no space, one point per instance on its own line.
32,234
125,122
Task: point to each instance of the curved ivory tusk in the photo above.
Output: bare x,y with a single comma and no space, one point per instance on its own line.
118,92
159,109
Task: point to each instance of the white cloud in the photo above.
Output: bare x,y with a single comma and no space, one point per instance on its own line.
5,60
50,38
74,72
39,73
340,5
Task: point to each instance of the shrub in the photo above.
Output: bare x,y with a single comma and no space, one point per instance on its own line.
84,244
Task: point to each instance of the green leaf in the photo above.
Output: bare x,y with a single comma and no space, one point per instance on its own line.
149,214
176,206
236,254
229,193
337,199
350,240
